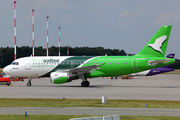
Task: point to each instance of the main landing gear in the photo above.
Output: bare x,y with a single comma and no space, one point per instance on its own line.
29,82
85,83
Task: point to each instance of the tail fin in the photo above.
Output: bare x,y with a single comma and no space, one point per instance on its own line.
158,43
169,56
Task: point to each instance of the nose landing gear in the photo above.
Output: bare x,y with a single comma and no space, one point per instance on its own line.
29,82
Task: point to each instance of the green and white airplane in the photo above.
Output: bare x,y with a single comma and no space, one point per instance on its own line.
63,69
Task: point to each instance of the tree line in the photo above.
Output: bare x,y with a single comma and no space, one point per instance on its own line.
7,54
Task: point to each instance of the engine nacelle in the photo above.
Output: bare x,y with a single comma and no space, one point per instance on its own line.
58,77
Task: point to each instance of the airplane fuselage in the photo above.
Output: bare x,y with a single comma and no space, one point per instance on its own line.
109,65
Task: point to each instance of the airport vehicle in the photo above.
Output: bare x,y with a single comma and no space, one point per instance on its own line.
1,75
5,81
64,69
152,71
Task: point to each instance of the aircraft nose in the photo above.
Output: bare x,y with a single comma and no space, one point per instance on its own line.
6,70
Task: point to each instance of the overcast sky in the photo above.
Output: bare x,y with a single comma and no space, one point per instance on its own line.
114,24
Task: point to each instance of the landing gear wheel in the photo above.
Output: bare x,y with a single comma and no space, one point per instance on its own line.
85,84
8,84
88,83
28,84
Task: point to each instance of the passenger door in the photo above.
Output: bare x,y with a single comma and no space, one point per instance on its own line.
28,64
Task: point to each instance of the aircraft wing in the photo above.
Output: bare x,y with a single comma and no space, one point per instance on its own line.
155,62
81,70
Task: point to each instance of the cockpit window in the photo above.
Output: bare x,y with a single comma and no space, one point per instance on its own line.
15,63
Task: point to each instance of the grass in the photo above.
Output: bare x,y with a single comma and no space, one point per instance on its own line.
30,102
67,117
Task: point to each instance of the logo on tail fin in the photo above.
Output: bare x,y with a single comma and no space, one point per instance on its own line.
158,43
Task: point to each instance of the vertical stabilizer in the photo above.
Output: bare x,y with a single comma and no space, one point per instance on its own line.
158,43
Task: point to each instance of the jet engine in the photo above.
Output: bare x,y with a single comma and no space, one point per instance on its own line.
59,77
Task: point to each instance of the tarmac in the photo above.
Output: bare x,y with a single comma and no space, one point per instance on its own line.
160,87
90,111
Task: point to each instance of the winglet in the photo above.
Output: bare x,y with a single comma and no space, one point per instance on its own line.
158,43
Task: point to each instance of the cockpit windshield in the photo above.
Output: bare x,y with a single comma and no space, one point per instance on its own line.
15,63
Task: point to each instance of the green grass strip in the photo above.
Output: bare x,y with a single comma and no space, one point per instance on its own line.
33,102
67,117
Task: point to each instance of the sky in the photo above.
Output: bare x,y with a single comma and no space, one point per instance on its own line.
114,24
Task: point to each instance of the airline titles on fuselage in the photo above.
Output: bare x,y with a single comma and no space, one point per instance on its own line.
44,62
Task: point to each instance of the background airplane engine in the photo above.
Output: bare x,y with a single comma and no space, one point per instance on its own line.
58,77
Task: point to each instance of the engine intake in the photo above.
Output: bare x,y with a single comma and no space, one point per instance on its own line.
58,77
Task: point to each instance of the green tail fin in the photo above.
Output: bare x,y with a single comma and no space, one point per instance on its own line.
158,43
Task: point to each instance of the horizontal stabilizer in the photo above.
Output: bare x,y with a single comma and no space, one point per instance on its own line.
153,63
